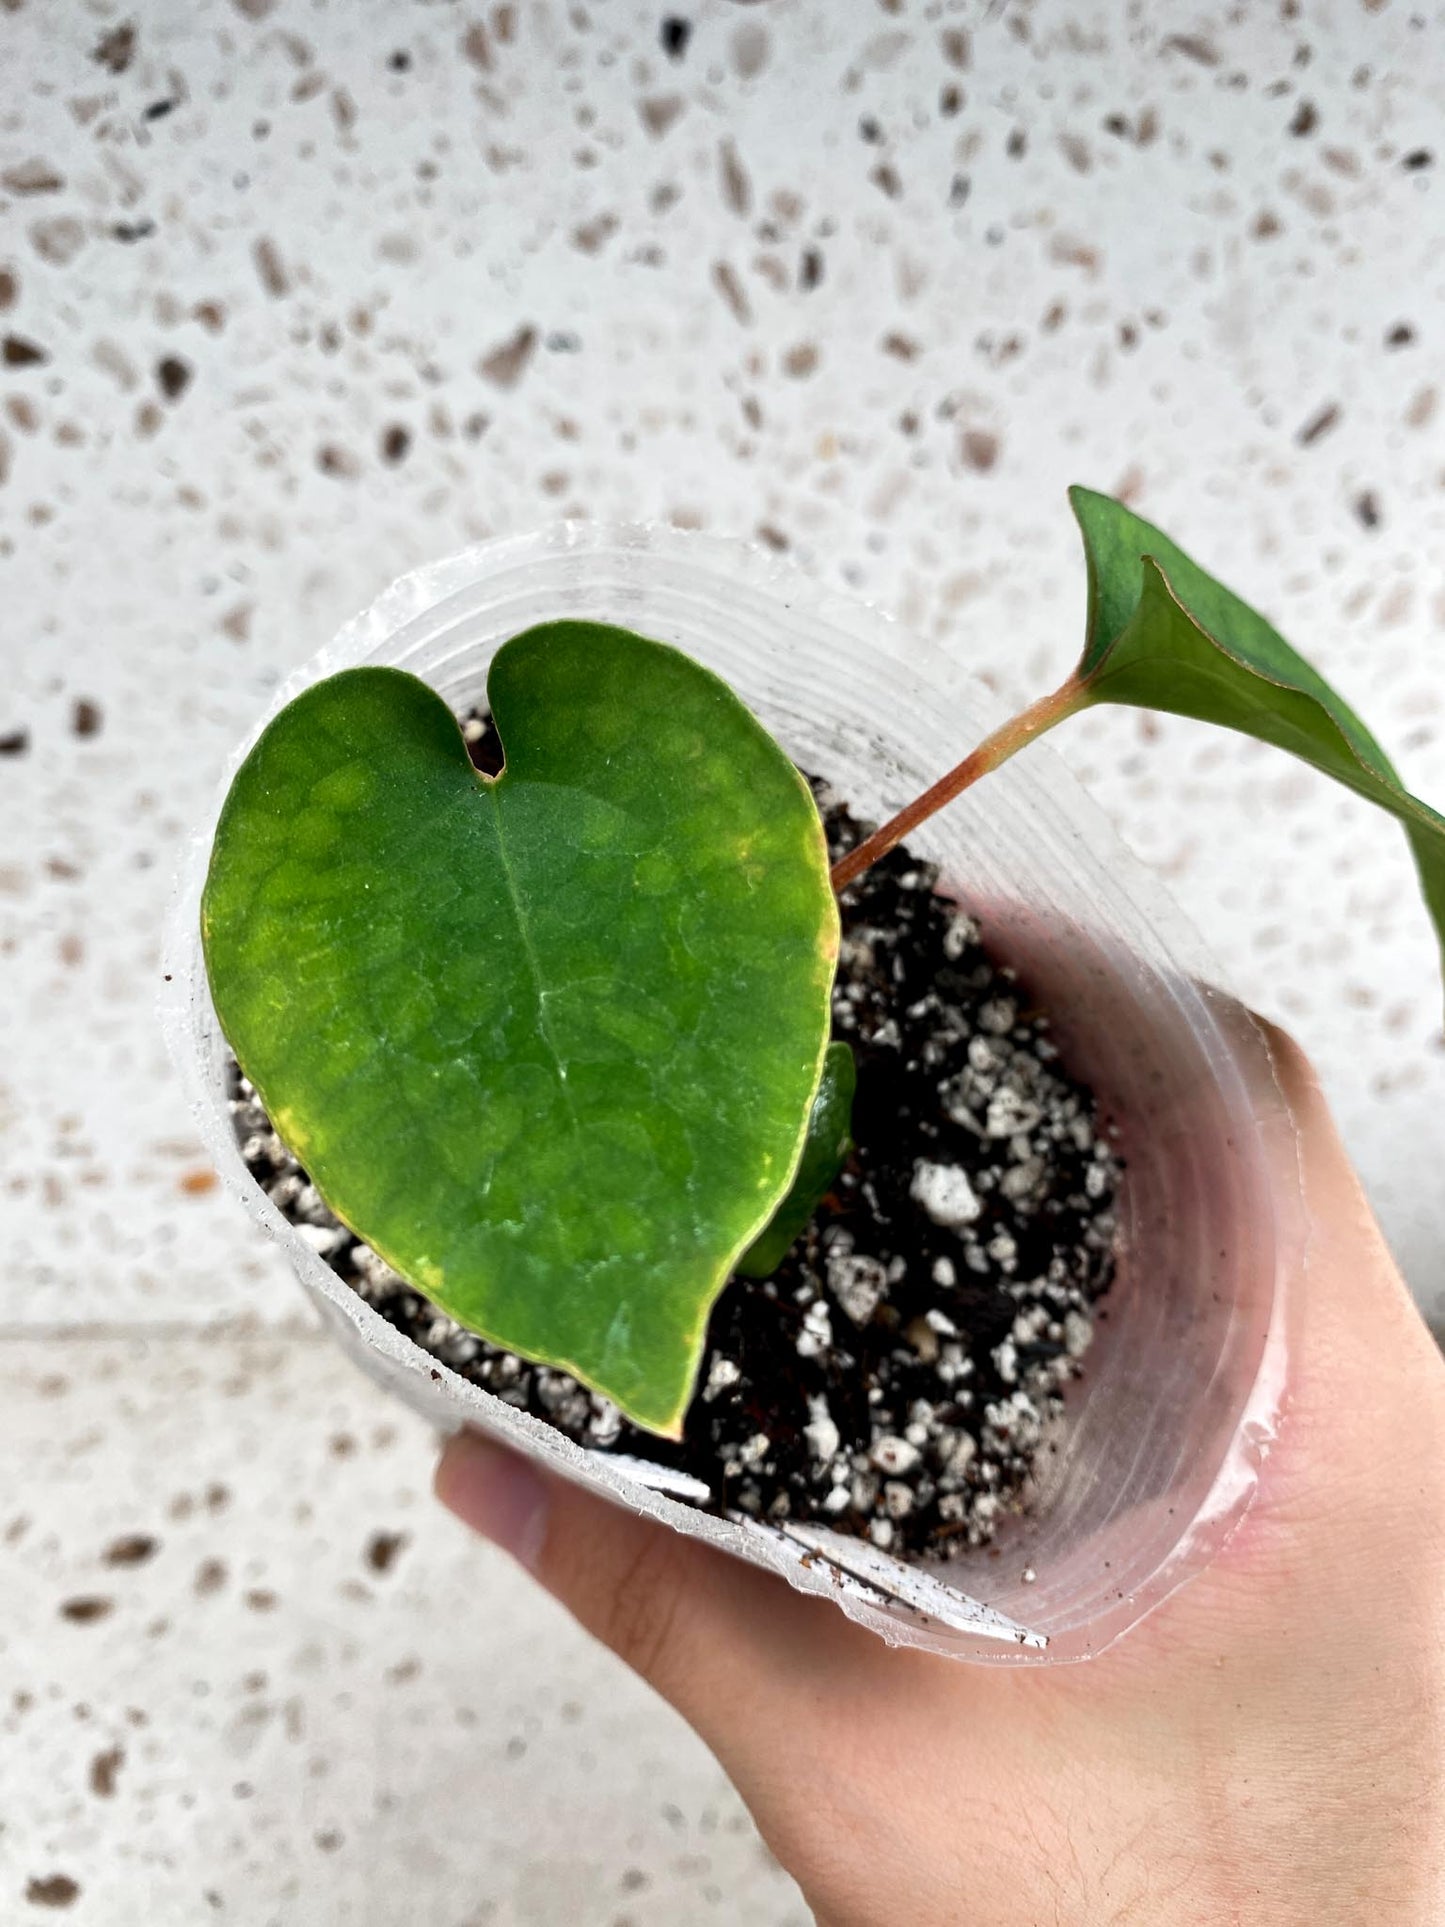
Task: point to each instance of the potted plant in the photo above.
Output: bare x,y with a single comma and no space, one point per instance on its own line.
546,1073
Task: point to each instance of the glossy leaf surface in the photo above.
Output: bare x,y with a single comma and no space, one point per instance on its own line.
549,1042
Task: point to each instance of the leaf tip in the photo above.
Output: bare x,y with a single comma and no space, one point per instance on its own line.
663,1417
1081,499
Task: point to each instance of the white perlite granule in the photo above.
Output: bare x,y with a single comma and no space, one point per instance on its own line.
945,1193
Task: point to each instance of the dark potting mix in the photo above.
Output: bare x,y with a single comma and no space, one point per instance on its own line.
901,1375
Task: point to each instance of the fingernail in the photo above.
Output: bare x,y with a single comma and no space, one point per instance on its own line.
496,1493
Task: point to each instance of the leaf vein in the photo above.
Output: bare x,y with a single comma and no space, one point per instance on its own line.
534,968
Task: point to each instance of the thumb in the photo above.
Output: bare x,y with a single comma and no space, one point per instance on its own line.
733,1648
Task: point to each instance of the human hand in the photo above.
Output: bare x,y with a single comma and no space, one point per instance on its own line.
1268,1747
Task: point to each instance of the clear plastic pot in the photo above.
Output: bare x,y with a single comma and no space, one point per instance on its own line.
1167,1428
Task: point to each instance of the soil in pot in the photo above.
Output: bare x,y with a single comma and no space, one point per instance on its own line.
902,1375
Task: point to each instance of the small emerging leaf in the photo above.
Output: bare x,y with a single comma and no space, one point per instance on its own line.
1165,635
828,1143
548,1042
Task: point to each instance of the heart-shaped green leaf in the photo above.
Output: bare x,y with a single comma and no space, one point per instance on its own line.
1165,635
548,1042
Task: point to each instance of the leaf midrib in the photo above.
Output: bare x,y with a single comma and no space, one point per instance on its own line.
529,952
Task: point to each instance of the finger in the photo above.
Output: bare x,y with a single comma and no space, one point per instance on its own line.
733,1648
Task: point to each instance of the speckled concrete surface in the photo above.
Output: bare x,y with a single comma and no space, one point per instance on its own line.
293,296
252,1674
